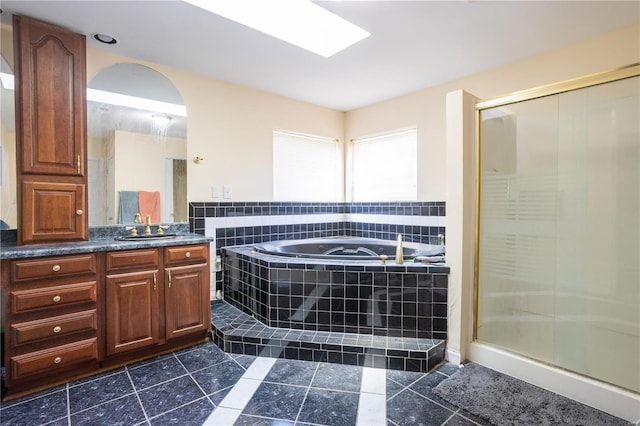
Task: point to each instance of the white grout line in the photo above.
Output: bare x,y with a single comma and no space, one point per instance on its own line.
230,408
372,405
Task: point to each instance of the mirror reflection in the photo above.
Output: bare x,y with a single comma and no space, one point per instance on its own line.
8,201
136,134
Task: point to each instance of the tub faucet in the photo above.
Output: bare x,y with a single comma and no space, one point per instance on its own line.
399,251
147,229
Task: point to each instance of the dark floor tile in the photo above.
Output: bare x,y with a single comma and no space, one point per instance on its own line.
244,360
151,374
405,378
122,411
64,421
276,401
98,391
246,420
97,376
218,377
330,408
338,377
169,395
292,372
425,386
447,368
458,420
393,388
193,414
35,411
218,396
202,356
409,408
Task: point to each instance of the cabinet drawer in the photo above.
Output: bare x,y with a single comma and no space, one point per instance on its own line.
185,254
119,260
48,360
63,295
51,267
62,325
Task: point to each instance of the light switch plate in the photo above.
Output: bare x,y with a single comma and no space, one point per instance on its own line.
227,192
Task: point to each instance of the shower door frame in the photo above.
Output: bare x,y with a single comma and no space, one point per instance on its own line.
606,397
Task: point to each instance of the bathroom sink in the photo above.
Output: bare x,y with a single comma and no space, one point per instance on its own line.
145,237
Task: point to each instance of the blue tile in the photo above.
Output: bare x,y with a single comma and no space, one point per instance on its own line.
202,356
219,376
330,408
410,408
36,411
292,372
338,377
246,420
276,401
95,392
117,412
151,374
169,395
194,414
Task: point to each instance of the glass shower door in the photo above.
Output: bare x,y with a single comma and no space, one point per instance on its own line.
559,237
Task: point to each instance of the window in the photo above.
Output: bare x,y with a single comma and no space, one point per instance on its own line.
385,167
305,168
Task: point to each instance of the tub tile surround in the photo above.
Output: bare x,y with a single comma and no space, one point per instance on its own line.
238,332
365,298
238,223
416,310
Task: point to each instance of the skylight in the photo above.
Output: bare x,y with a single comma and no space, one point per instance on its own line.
299,22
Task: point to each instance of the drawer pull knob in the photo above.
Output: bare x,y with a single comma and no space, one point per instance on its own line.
57,329
56,268
187,254
57,360
79,212
57,299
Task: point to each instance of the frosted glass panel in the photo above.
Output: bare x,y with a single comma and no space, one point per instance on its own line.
559,274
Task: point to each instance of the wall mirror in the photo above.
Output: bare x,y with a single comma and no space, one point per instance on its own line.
8,200
136,134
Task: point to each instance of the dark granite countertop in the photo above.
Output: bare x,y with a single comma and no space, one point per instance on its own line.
100,239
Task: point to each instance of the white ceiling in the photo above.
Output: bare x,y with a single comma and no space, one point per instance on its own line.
414,44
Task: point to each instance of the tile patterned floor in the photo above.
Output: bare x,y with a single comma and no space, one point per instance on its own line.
203,385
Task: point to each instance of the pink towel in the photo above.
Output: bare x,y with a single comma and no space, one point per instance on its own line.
149,203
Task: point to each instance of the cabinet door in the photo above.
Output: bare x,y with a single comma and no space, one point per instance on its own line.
132,311
187,307
50,98
53,211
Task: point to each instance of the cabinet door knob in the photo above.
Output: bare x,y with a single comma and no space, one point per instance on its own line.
57,360
79,212
56,268
187,254
57,329
57,299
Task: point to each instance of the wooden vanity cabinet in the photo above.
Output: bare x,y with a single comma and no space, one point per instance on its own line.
132,299
52,324
51,132
155,296
187,308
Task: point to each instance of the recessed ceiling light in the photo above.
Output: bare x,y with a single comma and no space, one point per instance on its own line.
104,38
299,22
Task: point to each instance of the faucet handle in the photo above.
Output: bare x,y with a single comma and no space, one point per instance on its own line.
134,231
161,229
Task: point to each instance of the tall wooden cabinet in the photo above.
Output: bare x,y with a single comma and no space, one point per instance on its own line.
51,133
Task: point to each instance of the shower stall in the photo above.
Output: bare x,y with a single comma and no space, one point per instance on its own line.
558,238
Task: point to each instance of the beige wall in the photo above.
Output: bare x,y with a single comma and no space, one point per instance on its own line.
231,128
426,108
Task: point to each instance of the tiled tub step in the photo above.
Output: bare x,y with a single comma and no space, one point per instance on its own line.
236,332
